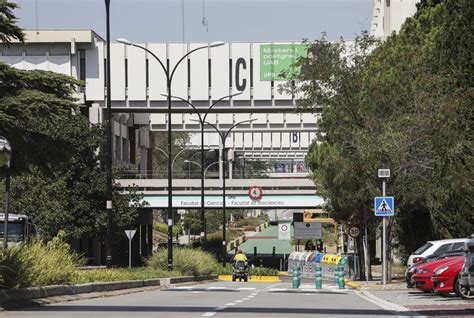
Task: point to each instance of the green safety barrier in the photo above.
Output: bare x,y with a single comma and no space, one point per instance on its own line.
296,277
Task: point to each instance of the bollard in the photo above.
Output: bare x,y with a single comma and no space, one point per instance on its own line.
342,284
336,275
319,278
296,277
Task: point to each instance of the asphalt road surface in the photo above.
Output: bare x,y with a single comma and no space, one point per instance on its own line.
218,299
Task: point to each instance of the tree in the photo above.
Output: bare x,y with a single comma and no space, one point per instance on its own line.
8,28
405,104
57,174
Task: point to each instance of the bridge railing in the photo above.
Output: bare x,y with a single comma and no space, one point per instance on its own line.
161,174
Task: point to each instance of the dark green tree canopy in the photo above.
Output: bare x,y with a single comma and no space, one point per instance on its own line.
8,28
405,104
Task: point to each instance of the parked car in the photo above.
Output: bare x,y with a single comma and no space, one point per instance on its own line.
465,283
445,277
423,273
436,248
411,270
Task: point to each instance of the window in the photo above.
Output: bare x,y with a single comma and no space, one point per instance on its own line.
458,246
422,249
443,248
82,64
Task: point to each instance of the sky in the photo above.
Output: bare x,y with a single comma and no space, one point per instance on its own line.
228,20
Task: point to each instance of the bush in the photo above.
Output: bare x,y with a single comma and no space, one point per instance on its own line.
38,264
163,228
120,274
257,271
187,261
255,221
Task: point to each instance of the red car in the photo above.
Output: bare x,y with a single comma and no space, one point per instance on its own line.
424,272
445,276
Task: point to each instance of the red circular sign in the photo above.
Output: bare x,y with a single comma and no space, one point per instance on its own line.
354,231
255,193
284,227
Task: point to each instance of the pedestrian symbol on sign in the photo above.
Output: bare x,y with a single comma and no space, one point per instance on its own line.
384,206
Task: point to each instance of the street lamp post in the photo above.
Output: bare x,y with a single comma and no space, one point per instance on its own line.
384,174
108,195
169,78
5,156
223,135
202,120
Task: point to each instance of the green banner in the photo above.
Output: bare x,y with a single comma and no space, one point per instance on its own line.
278,58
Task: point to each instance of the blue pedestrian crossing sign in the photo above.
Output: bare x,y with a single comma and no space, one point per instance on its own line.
384,206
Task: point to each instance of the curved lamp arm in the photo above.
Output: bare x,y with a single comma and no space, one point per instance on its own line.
214,44
176,156
205,170
239,123
190,161
164,152
127,42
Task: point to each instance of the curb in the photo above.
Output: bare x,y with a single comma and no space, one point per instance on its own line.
392,307
26,296
253,279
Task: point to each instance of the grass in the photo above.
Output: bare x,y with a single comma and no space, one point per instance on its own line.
255,221
187,261
38,264
163,228
256,271
120,274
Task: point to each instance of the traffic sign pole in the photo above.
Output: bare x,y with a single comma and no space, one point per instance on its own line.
384,242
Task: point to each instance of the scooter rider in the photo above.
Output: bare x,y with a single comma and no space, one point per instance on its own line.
240,256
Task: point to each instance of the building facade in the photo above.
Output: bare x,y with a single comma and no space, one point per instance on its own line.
389,15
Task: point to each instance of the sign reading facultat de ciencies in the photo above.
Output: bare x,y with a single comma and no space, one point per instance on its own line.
278,58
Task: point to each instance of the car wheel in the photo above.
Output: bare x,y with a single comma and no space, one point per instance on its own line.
463,292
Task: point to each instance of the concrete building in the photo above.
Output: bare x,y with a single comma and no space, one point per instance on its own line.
279,136
389,15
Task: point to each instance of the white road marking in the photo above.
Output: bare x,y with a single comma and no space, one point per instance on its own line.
239,301
216,288
209,314
271,286
230,304
246,288
383,303
184,287
277,289
246,298
250,296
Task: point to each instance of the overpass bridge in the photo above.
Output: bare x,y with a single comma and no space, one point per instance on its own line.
297,191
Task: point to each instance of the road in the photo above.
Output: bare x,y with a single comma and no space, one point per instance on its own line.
217,299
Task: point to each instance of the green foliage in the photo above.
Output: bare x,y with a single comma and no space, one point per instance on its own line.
253,221
256,271
424,134
8,28
193,262
121,274
163,228
405,104
38,264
